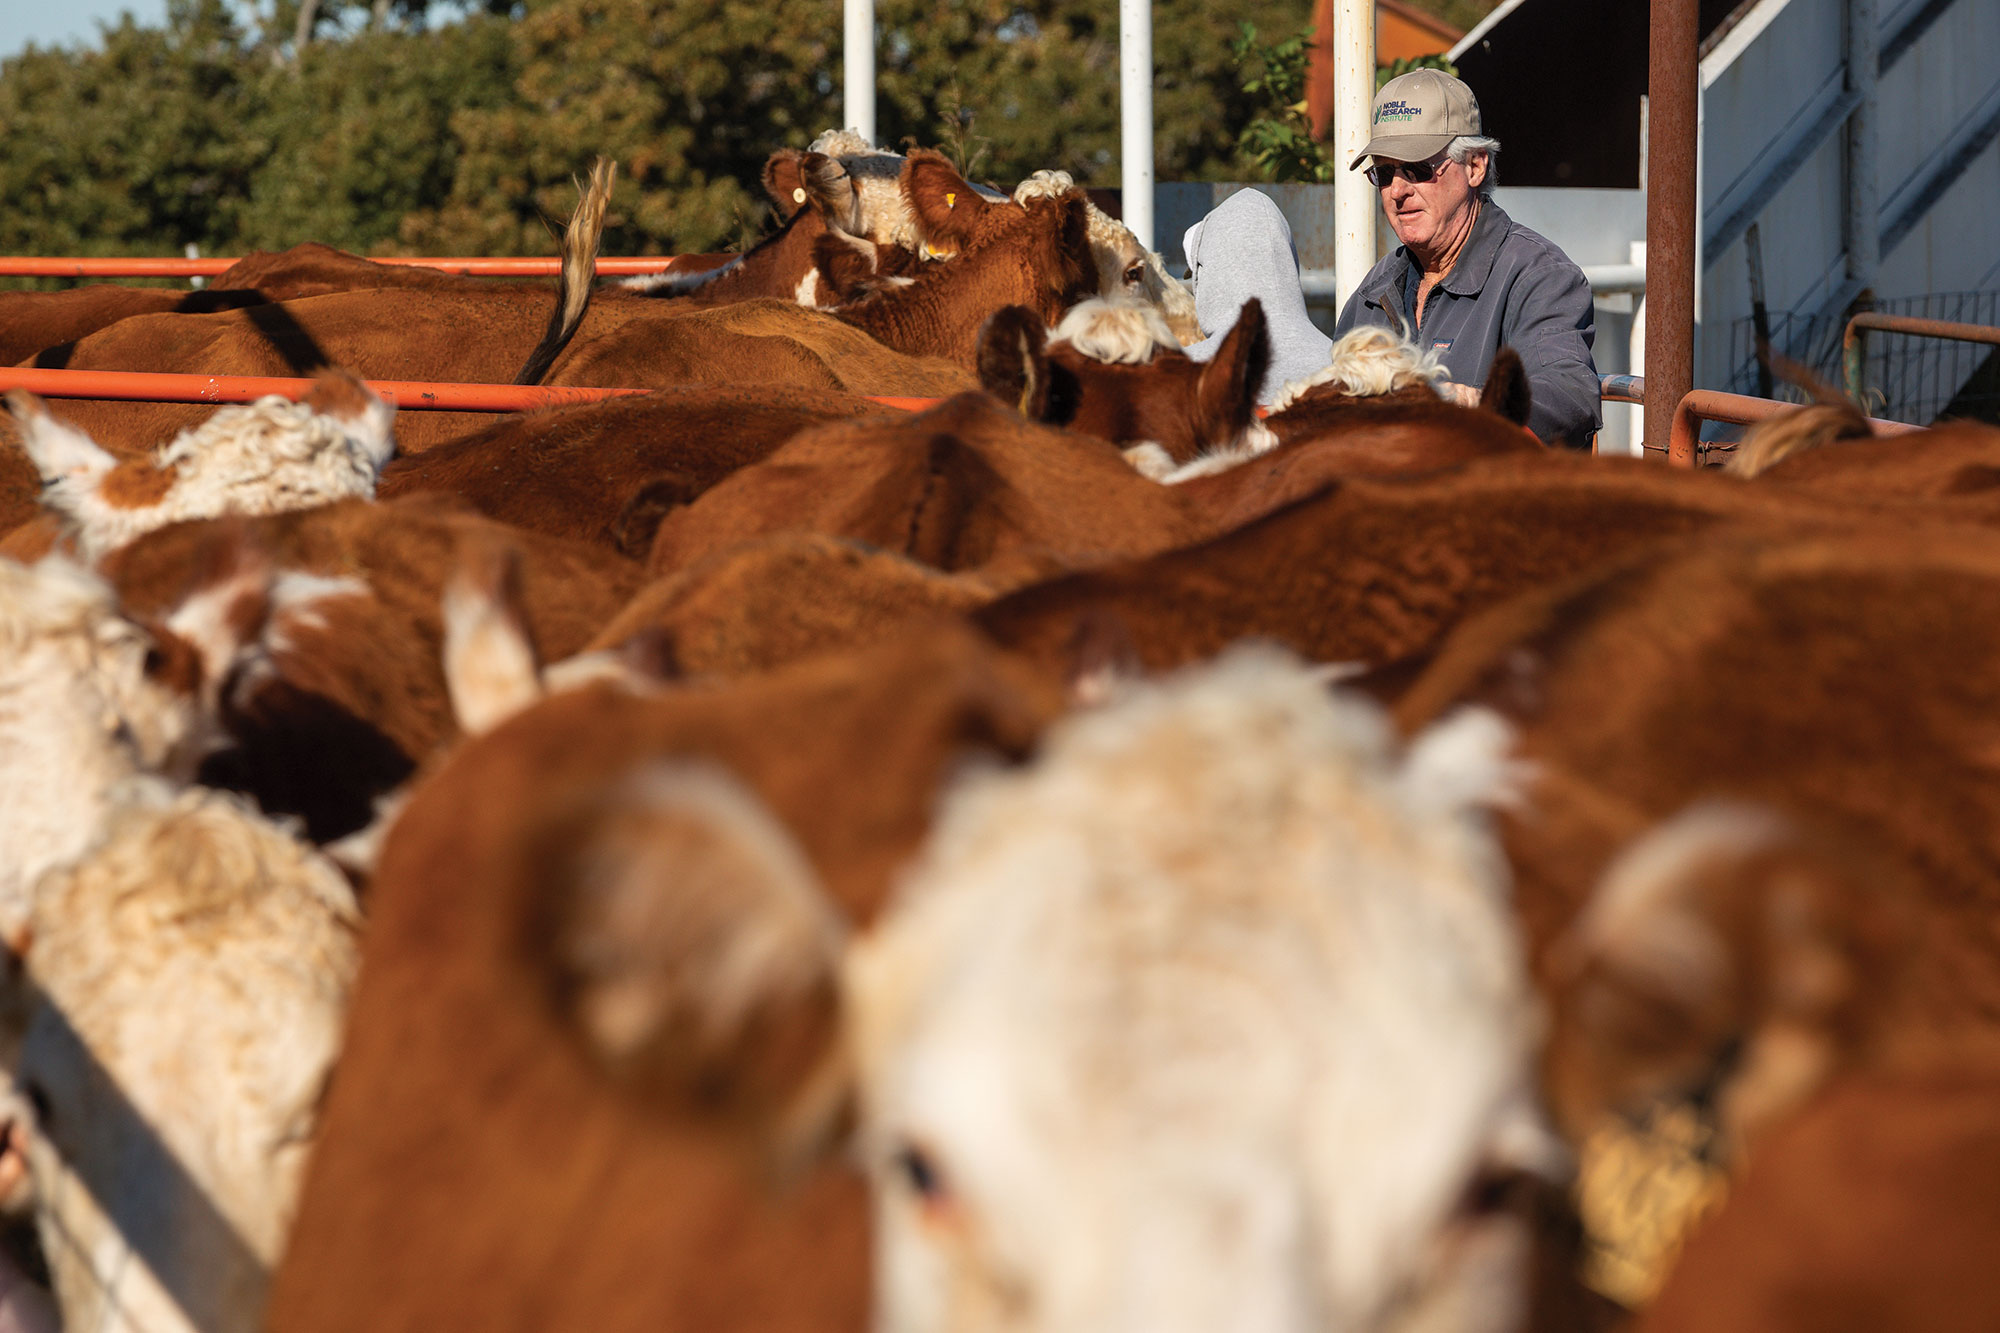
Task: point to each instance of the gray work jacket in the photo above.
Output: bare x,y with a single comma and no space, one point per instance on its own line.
1512,288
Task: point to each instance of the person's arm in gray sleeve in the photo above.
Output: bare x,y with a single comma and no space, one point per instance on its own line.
1551,324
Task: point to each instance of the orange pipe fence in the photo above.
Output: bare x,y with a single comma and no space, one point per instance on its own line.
25,266
1710,405
408,395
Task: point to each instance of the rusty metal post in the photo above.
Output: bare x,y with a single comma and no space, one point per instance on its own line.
1673,90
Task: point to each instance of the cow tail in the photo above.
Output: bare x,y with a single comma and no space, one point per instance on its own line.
579,272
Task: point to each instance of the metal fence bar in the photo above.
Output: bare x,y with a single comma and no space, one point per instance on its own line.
1699,405
28,266
407,395
1852,347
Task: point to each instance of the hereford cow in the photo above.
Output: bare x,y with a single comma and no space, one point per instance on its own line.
956,487
761,604
268,457
1737,892
753,344
1124,267
1035,253
607,472
183,996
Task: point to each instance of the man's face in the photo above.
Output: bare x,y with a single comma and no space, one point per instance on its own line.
1422,214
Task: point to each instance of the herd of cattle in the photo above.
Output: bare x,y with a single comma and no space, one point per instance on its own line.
1086,855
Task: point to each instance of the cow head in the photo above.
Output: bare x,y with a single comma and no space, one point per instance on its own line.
1125,268
262,458
1113,370
1212,1017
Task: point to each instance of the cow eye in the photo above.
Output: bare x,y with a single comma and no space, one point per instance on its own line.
1136,271
1496,1190
920,1173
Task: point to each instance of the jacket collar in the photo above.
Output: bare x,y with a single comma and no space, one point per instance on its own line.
1467,277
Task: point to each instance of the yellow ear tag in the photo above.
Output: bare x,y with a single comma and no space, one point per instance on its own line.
798,194
951,200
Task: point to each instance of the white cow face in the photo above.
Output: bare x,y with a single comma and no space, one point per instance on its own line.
1212,1020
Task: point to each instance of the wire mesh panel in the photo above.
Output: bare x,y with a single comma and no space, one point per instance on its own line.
1906,378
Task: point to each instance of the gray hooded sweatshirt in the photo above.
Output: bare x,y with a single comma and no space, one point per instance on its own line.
1243,248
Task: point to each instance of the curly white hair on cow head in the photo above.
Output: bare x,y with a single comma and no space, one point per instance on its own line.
1368,362
1114,331
266,457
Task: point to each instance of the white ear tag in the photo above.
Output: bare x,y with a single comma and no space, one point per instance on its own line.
798,194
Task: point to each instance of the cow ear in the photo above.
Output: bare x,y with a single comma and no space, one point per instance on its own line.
694,951
1226,395
948,211
1721,954
783,182
58,450
490,668
1013,360
830,191
1506,391
1073,276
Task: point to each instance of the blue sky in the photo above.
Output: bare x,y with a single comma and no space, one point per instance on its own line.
67,22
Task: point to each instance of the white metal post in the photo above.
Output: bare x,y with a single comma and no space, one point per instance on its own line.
857,88
1354,200
1135,98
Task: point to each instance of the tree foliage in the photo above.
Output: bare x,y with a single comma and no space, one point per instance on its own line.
1279,140
396,131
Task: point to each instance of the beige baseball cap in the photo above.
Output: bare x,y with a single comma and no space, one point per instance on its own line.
1417,114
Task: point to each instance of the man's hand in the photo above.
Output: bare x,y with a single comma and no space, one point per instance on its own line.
1465,395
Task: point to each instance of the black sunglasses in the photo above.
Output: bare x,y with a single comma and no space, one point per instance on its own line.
1416,173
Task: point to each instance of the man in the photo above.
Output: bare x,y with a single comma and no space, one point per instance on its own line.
1467,279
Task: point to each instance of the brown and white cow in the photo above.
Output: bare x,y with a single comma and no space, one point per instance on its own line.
1124,267
1035,253
1756,854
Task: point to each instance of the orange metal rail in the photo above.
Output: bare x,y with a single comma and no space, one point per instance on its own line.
147,386
24,266
1709,405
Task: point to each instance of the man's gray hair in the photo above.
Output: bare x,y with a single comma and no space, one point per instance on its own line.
1465,145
